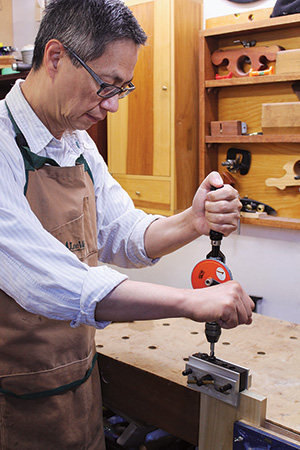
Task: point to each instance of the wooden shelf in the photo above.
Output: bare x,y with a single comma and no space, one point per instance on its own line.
273,221
245,81
273,24
261,138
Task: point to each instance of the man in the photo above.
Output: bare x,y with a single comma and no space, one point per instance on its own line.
61,213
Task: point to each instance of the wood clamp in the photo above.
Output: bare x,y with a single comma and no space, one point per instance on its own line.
234,59
237,160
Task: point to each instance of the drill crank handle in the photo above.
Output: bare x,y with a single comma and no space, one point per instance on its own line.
215,235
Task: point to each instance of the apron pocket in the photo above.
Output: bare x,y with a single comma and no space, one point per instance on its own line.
78,235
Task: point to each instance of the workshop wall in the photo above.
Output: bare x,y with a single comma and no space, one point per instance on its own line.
25,26
265,261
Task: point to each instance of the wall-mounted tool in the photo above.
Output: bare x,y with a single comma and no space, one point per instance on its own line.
235,59
223,77
254,206
246,44
227,128
238,160
258,73
291,177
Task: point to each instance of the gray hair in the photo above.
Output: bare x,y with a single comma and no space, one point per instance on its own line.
86,27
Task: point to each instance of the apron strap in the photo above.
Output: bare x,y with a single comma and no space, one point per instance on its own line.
51,392
32,161
81,160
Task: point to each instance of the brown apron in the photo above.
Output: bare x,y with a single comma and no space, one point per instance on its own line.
50,396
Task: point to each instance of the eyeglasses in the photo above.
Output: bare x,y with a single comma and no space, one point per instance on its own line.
106,90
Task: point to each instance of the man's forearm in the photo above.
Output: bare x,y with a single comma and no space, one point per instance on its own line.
167,234
133,300
227,303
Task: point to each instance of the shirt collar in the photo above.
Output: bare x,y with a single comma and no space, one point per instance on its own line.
35,132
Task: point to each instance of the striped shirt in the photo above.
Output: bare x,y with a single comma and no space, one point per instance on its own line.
38,271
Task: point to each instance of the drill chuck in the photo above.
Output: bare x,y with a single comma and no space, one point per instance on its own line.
212,332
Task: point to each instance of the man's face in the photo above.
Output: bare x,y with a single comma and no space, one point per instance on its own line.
77,104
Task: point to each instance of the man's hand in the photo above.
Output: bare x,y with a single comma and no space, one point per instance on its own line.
226,303
217,210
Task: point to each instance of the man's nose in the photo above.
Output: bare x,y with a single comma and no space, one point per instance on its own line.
111,104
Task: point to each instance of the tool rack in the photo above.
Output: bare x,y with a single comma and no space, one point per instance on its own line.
241,98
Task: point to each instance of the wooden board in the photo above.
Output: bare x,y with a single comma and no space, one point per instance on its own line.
238,18
269,347
280,118
217,419
288,61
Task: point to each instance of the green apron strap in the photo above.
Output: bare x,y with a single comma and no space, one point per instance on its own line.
51,392
81,160
32,161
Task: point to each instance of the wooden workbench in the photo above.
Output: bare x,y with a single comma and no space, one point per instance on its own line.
141,365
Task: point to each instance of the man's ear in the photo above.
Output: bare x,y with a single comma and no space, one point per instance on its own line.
54,52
